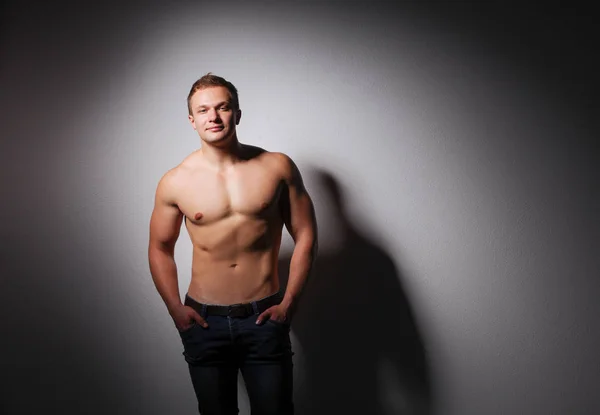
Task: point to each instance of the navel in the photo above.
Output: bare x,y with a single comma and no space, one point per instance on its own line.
233,266
198,216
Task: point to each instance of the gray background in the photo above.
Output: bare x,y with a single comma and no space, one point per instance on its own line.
449,153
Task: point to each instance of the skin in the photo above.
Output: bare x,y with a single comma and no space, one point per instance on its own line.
235,200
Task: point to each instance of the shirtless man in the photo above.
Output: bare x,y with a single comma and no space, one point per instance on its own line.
235,200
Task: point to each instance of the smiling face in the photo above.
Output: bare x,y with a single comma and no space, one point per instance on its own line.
213,115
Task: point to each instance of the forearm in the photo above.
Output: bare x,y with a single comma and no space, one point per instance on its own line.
164,275
301,263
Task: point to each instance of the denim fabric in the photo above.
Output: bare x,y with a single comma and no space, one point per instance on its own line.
263,354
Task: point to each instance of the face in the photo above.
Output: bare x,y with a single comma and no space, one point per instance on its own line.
213,115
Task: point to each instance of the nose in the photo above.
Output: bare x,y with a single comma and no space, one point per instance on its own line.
213,115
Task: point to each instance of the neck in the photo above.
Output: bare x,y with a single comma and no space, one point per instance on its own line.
222,156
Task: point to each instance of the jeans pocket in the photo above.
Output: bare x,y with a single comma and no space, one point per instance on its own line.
279,323
192,325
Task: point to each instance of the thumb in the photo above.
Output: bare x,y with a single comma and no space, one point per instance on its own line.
199,319
265,315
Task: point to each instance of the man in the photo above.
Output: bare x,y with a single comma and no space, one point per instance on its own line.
235,199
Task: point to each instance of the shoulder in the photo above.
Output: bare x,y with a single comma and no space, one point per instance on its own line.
170,177
167,185
173,179
189,165
175,174
274,161
282,162
286,168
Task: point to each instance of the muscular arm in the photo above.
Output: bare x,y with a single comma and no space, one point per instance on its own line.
299,218
165,225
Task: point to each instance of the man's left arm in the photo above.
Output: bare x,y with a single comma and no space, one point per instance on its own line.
299,218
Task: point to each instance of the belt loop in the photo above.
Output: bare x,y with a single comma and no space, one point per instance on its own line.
203,312
255,307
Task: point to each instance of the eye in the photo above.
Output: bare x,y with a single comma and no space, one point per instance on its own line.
202,111
224,108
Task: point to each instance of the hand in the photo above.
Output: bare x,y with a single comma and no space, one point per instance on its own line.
184,316
278,313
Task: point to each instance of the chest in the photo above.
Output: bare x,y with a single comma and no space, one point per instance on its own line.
206,198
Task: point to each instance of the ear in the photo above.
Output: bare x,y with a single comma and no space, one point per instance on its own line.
191,119
238,114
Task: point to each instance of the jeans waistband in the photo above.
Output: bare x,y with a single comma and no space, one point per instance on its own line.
234,310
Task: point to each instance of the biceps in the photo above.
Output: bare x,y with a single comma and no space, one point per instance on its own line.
165,225
301,215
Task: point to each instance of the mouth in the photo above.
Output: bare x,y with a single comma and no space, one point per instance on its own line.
215,129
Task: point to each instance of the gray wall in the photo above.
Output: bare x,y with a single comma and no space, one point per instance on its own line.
448,150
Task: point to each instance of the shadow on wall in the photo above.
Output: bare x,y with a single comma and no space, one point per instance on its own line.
361,350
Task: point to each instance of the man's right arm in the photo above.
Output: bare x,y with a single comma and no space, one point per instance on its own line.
165,225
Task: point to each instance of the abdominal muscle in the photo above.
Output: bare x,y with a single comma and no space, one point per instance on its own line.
235,264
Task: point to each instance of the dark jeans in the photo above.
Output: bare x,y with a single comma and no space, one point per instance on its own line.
263,354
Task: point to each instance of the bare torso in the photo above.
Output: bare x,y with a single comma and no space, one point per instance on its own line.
234,221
